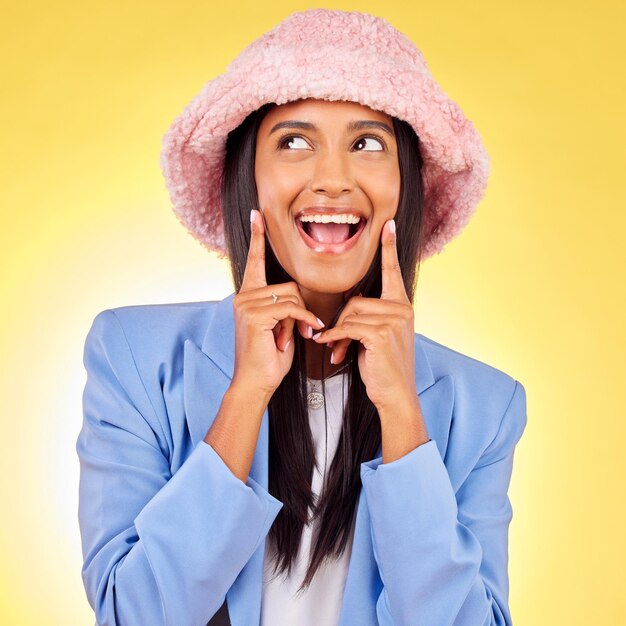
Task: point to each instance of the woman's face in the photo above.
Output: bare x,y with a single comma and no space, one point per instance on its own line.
326,158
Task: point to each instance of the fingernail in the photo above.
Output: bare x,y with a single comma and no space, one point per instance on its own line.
309,331
320,322
392,226
332,357
316,335
286,346
252,215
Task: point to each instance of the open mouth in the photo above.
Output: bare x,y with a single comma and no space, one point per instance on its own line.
330,236
330,232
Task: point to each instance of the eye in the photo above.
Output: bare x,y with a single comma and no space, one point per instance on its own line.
288,139
380,142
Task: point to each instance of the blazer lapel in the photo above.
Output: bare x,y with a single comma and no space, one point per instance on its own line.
208,371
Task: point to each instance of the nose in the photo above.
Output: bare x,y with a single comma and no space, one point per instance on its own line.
332,174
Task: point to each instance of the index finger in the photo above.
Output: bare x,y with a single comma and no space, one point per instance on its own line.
254,274
392,281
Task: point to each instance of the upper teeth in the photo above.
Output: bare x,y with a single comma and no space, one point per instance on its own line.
338,219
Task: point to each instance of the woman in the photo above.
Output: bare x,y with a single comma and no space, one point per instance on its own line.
296,453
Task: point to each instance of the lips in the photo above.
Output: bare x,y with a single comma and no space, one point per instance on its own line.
336,248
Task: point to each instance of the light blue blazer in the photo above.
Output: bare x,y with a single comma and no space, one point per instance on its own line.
169,533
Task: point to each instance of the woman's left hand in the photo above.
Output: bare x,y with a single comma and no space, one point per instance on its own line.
384,327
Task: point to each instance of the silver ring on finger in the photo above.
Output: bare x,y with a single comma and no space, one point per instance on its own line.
275,297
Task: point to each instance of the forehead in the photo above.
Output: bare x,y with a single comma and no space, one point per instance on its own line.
323,112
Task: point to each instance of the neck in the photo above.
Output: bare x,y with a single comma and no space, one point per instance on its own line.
324,306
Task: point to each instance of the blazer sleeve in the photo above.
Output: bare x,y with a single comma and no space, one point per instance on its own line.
157,548
443,557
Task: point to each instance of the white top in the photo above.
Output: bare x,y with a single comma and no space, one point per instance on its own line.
320,604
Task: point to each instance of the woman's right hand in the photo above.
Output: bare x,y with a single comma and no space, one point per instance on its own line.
264,345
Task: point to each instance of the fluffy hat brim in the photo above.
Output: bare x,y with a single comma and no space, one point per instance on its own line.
329,55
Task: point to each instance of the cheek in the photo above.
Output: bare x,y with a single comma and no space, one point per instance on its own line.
275,195
275,187
384,193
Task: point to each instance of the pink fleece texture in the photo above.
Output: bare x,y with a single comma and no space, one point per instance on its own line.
328,55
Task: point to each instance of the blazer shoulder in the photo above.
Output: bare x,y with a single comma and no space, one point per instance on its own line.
155,328
471,375
490,404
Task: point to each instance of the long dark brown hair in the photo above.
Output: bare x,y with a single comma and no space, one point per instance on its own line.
291,446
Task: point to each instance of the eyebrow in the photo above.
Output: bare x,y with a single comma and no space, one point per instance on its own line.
352,126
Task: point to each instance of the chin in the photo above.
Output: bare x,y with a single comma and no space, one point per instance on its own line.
325,287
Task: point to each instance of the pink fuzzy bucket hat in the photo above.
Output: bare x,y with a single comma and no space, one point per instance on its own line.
327,55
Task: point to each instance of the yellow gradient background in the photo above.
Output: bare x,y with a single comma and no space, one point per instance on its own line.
533,286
